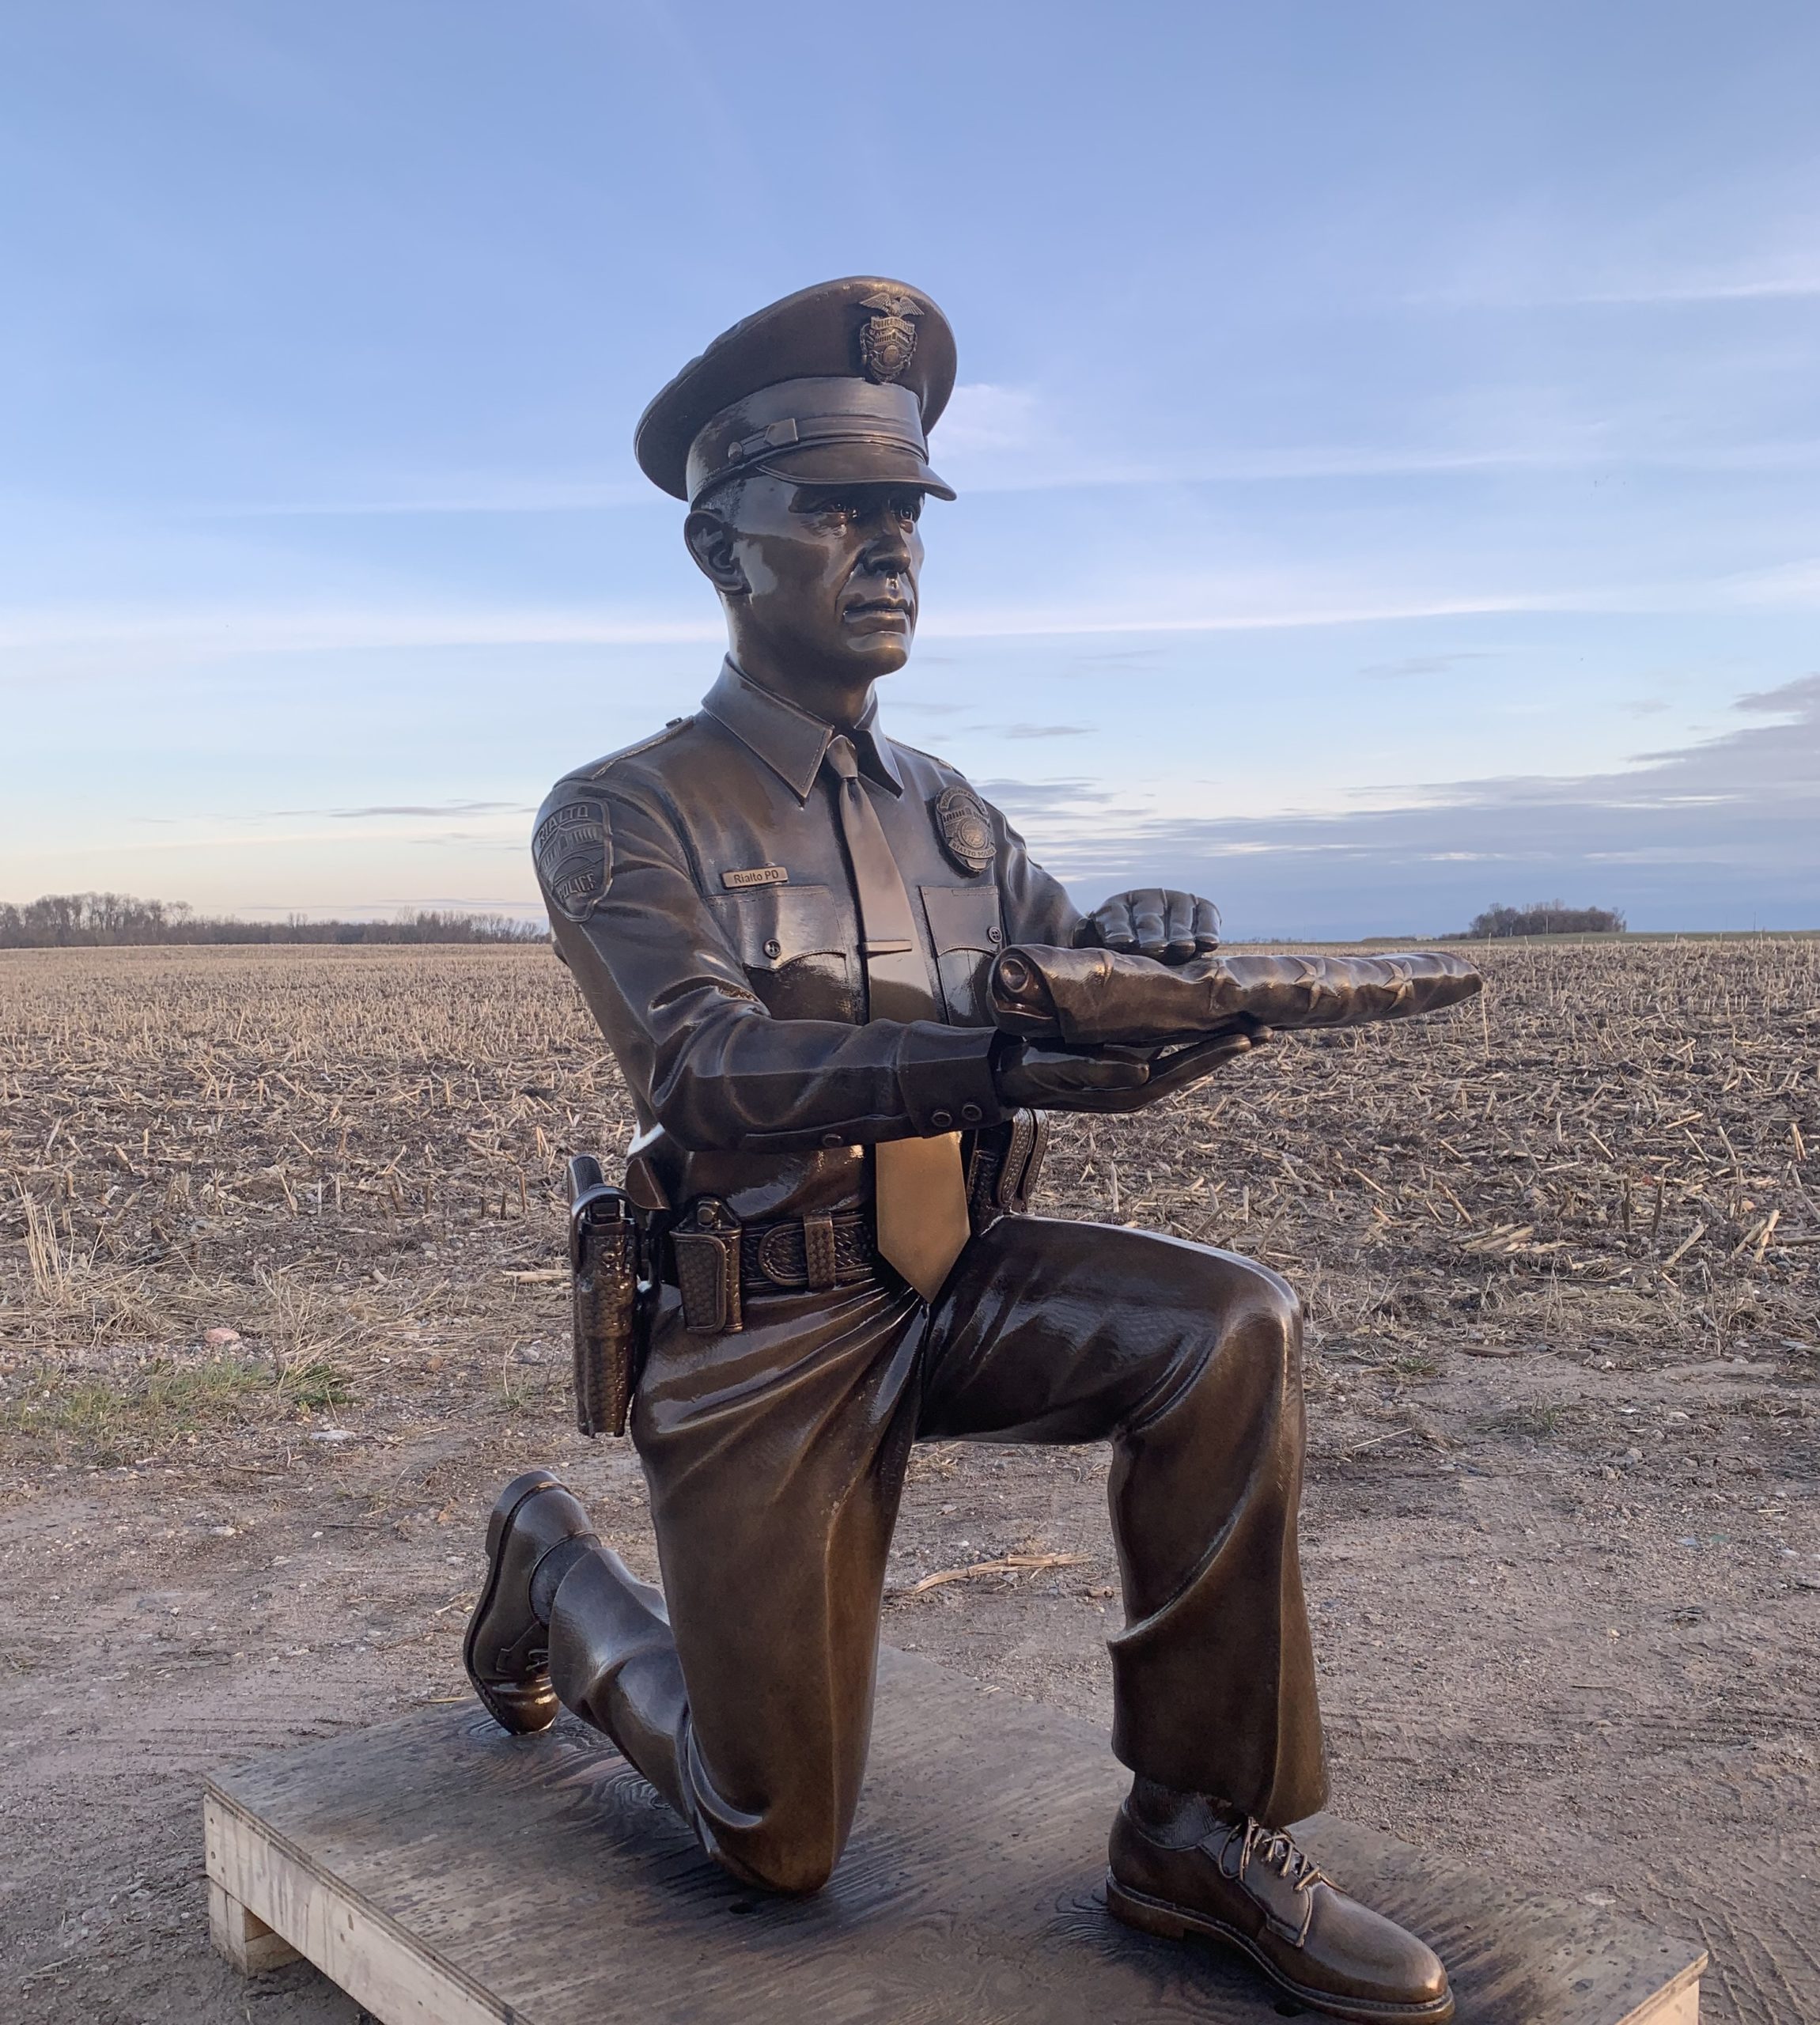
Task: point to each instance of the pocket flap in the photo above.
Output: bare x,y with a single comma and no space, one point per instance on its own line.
963,917
773,925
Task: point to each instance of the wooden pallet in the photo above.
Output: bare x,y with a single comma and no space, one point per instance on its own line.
443,1873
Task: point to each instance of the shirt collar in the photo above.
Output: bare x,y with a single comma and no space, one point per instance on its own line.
790,740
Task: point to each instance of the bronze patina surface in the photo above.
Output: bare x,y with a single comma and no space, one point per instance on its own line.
797,934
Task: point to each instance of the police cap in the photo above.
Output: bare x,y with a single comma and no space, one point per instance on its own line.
836,383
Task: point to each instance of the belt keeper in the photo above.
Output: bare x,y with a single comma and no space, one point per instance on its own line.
818,1250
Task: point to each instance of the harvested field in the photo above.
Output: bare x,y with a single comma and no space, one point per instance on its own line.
282,1302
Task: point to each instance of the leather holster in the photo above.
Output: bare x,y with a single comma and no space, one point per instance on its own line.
606,1260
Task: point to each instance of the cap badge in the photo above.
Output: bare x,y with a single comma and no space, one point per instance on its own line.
887,337
966,829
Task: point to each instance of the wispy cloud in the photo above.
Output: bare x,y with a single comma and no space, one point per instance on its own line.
1003,451
502,495
1796,584
1770,274
982,418
276,629
1414,664
1724,832
1186,605
1013,439
1796,282
441,808
1029,799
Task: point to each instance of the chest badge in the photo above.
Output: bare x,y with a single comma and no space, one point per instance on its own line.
965,829
573,847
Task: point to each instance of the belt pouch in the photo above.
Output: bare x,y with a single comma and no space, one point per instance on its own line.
706,1247
603,1259
1007,1161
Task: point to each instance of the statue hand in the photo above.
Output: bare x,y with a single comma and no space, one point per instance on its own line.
1153,921
1047,1079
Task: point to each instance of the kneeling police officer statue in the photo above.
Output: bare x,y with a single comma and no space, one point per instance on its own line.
785,923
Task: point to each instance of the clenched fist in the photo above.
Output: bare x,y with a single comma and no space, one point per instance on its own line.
1153,921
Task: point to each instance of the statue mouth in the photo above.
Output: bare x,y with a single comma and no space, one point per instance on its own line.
888,610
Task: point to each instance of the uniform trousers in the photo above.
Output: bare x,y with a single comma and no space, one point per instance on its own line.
776,1458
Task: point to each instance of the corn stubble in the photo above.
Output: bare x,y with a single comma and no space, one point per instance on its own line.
1608,1153
352,1159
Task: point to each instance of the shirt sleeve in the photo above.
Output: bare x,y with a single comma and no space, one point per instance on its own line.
718,1072
1037,908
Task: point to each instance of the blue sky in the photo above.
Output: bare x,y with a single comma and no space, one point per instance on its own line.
1388,436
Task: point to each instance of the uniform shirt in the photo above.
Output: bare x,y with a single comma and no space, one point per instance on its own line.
699,890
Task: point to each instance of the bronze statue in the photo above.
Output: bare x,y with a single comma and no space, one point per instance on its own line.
787,925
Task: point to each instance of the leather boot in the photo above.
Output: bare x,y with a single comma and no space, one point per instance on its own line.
1251,1887
507,1649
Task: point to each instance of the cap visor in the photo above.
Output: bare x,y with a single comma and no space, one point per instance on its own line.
854,464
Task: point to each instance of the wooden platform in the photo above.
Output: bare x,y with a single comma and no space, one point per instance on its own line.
444,1874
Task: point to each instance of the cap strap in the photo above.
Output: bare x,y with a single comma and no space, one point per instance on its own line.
773,438
797,413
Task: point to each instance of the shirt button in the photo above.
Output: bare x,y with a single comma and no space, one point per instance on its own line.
971,1113
995,934
773,948
941,1118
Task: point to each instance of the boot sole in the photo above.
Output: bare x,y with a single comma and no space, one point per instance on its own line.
525,1487
1168,1922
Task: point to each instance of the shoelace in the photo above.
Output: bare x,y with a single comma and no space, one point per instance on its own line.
1274,1849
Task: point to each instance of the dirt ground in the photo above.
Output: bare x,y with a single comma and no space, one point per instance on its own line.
1562,1531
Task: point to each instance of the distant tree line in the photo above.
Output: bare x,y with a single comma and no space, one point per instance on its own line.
68,921
1545,918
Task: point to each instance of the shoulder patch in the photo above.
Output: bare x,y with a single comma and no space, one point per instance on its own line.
573,849
964,828
596,768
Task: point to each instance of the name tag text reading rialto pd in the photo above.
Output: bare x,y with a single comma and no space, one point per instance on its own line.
759,875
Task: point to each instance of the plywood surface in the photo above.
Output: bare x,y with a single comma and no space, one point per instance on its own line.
440,1871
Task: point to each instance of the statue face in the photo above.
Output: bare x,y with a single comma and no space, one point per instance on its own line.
830,575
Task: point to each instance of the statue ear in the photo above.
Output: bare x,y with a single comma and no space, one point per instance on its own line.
710,540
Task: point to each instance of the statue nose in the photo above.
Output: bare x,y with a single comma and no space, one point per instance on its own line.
889,548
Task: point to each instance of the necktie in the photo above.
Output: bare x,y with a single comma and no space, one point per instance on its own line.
920,1190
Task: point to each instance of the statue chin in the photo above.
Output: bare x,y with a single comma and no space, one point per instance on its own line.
881,653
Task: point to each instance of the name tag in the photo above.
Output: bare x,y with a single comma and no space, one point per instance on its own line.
759,875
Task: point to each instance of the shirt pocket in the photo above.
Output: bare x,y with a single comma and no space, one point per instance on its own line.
795,944
967,930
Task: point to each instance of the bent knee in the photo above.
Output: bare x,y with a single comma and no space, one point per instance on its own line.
1241,1294
790,1850
1278,1305
1262,1313
799,1879
792,1869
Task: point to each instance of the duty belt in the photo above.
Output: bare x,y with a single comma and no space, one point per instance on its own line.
715,1259
815,1252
